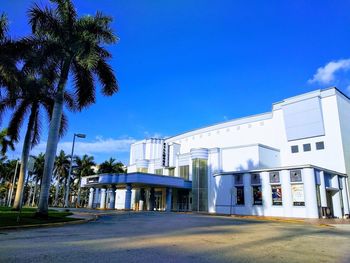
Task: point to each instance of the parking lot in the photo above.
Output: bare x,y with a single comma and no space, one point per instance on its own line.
175,237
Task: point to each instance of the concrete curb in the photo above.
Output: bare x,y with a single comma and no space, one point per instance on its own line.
76,222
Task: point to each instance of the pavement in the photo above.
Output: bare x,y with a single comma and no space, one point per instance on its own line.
176,237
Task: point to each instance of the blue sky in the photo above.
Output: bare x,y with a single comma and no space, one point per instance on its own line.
182,64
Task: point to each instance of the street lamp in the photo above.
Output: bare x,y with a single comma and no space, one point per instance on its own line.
66,200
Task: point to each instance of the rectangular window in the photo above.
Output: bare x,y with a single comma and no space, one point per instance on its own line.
158,171
295,176
294,148
171,171
239,179
255,179
239,195
298,194
307,147
184,172
276,194
274,177
257,195
142,170
319,145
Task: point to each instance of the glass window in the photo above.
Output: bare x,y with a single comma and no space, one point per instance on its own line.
274,177
255,179
142,170
295,176
257,195
158,171
239,179
276,194
298,194
239,195
184,172
200,185
319,145
171,171
307,147
294,148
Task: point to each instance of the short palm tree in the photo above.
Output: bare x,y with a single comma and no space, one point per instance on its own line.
111,166
5,142
84,167
75,44
37,174
61,169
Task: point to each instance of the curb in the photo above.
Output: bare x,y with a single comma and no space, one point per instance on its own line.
76,222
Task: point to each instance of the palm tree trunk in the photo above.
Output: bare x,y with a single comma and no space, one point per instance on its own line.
78,198
57,192
24,160
35,189
51,146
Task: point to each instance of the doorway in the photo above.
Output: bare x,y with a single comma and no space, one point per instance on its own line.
329,210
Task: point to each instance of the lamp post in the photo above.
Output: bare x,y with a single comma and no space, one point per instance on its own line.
66,200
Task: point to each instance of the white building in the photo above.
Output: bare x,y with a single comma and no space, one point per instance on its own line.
291,162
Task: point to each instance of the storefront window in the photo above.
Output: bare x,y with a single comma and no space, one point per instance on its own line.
240,195
171,171
276,194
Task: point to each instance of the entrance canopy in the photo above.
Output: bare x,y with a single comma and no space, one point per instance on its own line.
135,179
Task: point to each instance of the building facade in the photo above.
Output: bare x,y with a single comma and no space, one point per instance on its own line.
293,162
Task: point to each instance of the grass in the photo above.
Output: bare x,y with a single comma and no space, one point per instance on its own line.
9,217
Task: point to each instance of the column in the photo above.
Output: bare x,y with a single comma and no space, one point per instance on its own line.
103,198
310,194
169,193
323,190
97,197
128,197
336,198
345,195
91,197
111,204
151,199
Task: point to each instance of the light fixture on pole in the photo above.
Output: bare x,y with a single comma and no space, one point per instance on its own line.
66,199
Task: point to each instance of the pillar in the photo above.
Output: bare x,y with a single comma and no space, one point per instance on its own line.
128,197
91,197
111,204
336,198
310,194
169,193
152,199
345,195
323,196
103,198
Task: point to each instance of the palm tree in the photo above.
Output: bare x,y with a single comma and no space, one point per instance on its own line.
62,163
34,96
110,166
83,168
37,173
75,44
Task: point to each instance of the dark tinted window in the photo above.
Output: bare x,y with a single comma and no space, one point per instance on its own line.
307,147
319,145
294,148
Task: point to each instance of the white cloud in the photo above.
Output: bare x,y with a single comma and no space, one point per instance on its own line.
98,146
326,74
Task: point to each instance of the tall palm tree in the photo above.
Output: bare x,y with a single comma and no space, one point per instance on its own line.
61,169
75,43
34,96
37,174
83,168
111,166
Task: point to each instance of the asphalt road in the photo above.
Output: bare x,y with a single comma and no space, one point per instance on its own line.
171,237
